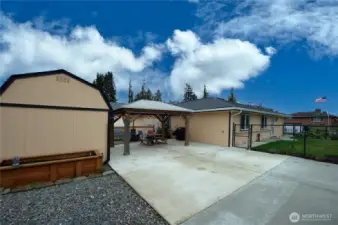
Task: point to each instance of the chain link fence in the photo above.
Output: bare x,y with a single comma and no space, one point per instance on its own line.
307,141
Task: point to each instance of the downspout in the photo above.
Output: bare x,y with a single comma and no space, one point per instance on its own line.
230,125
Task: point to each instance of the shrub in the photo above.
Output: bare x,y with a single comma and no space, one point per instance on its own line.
298,136
334,137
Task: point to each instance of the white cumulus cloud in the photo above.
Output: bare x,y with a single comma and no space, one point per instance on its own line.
281,21
220,64
270,50
83,51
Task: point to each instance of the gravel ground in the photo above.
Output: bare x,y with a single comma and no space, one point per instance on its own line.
102,200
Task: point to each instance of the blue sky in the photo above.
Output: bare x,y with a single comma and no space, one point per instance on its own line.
280,54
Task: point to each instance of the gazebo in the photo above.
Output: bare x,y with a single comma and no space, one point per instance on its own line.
162,111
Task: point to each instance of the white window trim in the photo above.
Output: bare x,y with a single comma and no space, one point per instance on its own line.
266,122
246,128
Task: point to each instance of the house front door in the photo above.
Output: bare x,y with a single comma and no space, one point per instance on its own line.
273,127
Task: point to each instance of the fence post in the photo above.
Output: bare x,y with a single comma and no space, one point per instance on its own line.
305,131
248,140
327,132
233,134
250,137
248,145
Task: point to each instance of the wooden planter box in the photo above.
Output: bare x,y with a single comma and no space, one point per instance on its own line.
49,168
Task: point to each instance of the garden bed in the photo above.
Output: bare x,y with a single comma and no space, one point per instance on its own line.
49,168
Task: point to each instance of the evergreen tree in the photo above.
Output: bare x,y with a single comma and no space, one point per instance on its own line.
98,81
205,92
105,82
142,94
149,95
232,97
130,93
158,96
189,94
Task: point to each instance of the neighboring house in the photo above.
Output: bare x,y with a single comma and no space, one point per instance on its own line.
213,118
316,117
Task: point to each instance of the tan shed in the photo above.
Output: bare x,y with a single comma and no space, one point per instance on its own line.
52,112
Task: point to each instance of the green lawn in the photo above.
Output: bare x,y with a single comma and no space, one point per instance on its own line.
315,148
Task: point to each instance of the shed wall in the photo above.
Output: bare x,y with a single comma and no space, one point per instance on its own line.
32,132
55,90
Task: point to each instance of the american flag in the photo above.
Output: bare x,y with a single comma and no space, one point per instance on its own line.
322,99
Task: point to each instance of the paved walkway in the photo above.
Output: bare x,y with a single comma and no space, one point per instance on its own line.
306,187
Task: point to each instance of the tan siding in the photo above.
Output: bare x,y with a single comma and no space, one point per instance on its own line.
177,121
210,128
149,121
141,121
265,133
279,130
31,132
46,90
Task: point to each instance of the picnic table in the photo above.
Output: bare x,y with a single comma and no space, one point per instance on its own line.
151,139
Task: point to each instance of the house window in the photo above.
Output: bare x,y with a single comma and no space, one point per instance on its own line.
264,120
245,121
317,119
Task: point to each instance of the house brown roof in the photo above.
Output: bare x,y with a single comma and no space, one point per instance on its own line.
311,114
214,104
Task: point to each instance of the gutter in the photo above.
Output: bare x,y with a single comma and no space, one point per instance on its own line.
241,109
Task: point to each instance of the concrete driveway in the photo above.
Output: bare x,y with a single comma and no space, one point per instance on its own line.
304,188
180,181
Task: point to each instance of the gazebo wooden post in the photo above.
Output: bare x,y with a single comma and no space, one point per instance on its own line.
163,126
169,126
163,133
126,138
187,136
112,136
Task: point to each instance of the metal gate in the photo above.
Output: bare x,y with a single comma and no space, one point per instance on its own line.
241,138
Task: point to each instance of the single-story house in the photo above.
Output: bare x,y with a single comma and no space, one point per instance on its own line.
215,121
52,112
